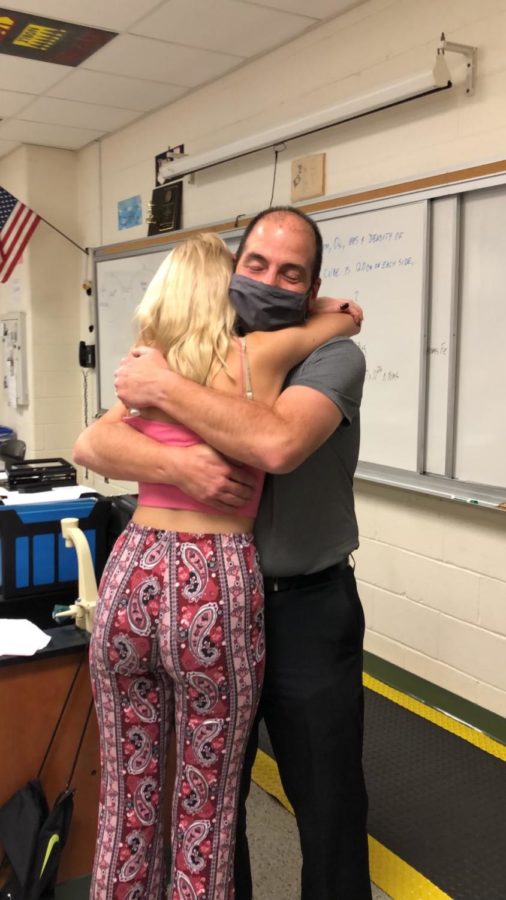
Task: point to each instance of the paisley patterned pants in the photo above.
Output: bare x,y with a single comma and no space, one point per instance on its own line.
178,642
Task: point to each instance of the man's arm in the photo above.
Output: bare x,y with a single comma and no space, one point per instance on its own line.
112,448
276,439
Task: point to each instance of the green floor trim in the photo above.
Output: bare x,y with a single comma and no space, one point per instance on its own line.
439,698
76,889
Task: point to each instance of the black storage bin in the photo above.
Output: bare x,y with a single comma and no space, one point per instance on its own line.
121,511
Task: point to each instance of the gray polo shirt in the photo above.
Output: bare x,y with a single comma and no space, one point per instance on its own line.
306,521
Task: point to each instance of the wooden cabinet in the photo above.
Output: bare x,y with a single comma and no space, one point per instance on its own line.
32,693
31,698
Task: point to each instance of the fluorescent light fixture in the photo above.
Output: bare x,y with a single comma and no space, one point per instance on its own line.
435,79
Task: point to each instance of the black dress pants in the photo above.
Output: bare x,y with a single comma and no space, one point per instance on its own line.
312,704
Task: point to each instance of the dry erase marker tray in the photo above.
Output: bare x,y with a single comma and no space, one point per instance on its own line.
40,474
34,558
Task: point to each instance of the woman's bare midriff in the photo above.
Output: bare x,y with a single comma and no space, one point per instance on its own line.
191,521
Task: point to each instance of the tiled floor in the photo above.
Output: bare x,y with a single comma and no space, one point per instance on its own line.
274,849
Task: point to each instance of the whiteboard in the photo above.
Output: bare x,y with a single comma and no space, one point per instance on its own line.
480,454
375,257
441,344
120,284
378,258
429,269
119,287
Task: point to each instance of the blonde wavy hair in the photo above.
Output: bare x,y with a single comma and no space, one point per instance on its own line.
186,311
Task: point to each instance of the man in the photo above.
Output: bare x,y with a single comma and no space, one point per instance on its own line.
312,700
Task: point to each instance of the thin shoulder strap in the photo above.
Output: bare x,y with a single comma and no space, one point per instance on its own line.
60,717
245,369
62,711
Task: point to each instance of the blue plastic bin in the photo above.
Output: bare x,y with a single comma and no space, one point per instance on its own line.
6,434
34,557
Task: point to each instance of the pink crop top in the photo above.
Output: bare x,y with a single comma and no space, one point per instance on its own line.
168,496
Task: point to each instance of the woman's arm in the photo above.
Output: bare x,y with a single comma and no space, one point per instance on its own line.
333,304
275,353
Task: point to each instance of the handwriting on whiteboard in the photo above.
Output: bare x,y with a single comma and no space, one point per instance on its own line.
381,374
364,265
378,372
440,350
341,244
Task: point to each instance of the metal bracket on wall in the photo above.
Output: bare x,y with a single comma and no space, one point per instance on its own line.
469,52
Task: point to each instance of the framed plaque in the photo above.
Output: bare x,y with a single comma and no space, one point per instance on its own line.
165,210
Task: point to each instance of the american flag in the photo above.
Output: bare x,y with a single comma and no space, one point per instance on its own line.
17,224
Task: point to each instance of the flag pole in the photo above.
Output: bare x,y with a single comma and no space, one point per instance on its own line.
84,250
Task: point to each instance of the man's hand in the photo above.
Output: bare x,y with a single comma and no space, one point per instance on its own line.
136,380
209,477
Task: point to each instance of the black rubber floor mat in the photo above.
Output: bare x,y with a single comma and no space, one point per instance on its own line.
436,801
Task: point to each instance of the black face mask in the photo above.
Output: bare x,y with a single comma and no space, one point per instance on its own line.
265,307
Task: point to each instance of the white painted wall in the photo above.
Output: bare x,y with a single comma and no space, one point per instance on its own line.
432,576
372,45
15,296
49,292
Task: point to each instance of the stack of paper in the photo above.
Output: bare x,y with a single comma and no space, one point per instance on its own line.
19,637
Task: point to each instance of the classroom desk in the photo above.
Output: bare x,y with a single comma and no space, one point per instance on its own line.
32,692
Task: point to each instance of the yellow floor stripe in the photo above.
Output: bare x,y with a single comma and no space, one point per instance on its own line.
265,774
390,873
400,881
472,735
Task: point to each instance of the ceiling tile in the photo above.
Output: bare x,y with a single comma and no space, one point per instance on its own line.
7,146
172,46
222,25
28,75
78,115
47,135
11,102
142,57
319,9
115,90
114,14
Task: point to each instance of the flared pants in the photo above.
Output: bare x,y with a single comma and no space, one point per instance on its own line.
178,643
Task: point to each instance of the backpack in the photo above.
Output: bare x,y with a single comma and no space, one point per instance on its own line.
32,835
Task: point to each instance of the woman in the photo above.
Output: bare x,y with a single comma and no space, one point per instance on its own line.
178,633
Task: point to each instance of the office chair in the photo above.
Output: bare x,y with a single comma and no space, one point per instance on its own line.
12,451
